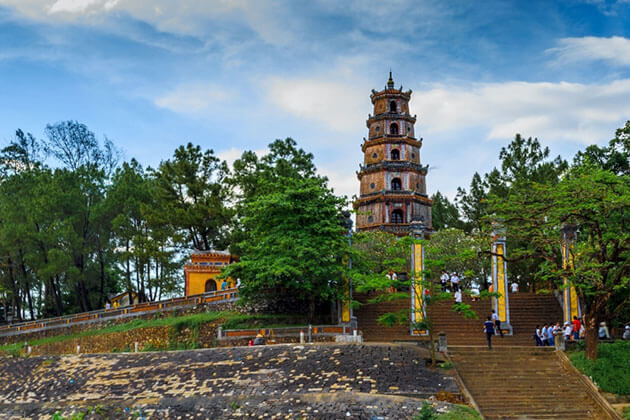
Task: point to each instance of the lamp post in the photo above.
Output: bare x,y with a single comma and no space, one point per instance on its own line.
417,230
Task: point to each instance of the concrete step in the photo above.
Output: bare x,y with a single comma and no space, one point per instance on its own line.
522,382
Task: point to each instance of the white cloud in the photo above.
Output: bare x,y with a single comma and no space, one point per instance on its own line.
338,105
193,98
342,179
79,6
585,113
185,18
615,50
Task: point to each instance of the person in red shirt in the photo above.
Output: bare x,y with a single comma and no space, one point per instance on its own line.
576,328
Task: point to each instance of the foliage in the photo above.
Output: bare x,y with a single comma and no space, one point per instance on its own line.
446,365
614,158
597,201
292,242
608,371
460,412
455,251
427,412
389,254
75,227
444,214
194,196
379,252
522,161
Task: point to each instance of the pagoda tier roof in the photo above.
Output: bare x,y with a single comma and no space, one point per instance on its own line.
390,93
399,229
392,166
392,139
389,195
390,115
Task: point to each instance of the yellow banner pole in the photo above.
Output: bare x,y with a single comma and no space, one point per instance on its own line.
570,300
417,229
501,304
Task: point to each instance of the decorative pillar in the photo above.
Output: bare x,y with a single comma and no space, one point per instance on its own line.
417,229
501,304
570,301
346,315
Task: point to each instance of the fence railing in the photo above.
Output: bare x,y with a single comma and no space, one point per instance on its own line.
99,315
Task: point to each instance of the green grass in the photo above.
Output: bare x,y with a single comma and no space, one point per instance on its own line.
457,412
610,369
244,321
461,412
626,413
231,320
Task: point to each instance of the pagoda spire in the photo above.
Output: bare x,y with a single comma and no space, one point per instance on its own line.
390,82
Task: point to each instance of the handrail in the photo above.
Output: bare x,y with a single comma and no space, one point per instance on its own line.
102,314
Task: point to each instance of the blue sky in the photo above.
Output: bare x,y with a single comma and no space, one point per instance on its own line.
235,75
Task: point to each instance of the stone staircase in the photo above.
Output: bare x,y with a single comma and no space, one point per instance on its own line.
367,315
526,311
523,383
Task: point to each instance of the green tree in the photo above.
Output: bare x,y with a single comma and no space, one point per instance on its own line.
444,214
292,242
597,201
522,161
194,197
615,157
454,250
397,250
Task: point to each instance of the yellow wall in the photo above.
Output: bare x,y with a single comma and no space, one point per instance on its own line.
197,282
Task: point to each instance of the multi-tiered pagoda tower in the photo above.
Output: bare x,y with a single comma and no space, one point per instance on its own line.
393,189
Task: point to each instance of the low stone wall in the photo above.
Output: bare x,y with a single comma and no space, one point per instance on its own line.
244,341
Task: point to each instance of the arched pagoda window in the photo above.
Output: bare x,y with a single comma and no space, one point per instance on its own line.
396,184
392,106
395,154
393,129
397,216
211,286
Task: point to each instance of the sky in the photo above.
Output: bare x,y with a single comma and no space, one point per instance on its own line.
234,75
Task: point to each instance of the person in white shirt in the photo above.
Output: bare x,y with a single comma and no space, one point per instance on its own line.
568,329
444,280
497,322
514,287
455,281
458,296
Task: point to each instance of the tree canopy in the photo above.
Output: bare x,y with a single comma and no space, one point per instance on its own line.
291,241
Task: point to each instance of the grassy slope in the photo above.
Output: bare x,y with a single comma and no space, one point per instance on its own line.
610,370
229,320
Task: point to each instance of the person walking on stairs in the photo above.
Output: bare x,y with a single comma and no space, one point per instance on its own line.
444,278
497,322
488,328
537,336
